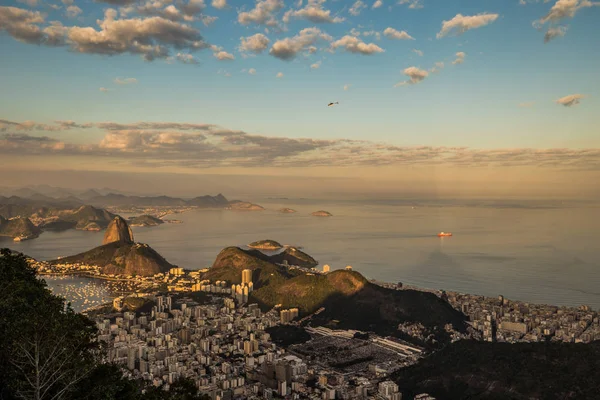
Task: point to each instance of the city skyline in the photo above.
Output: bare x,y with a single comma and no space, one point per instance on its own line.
440,94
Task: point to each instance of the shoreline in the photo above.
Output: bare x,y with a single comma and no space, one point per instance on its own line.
387,285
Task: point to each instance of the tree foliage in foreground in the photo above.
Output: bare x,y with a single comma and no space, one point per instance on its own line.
50,352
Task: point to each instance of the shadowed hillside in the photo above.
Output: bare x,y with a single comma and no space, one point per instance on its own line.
503,371
347,296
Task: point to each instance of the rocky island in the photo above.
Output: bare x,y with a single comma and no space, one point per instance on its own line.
287,210
321,213
237,205
265,245
145,220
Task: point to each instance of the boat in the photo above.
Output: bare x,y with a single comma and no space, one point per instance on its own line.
444,234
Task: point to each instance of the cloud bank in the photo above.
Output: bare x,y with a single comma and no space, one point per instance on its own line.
162,144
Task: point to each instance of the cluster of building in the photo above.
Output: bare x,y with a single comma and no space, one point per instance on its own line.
224,346
503,320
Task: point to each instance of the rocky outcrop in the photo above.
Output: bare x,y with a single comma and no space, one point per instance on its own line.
265,245
118,231
287,210
293,256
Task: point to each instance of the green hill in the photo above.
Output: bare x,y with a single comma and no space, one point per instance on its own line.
293,256
18,227
504,371
350,301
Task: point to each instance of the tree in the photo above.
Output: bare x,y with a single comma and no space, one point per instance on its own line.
46,348
182,389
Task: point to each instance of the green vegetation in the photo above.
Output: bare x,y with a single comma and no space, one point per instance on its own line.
49,352
287,335
293,256
503,371
346,295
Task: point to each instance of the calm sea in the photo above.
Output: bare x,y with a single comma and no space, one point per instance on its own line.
522,251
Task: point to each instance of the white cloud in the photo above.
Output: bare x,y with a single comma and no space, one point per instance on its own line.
437,68
316,65
460,58
313,12
279,75
186,58
252,71
262,14
125,81
377,4
353,44
254,44
412,4
357,7
288,48
415,76
347,86
392,33
418,52
372,33
462,23
566,9
570,100
554,32
220,4
223,55
103,89
73,11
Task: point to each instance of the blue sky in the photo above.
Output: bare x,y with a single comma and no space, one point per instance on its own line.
503,95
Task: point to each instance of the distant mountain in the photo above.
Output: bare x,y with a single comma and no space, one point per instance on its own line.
145,220
18,227
78,218
350,301
503,371
89,194
120,200
119,254
238,205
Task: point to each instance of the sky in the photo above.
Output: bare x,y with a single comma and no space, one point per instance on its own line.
495,97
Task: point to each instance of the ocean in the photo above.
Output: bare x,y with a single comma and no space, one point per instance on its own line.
523,250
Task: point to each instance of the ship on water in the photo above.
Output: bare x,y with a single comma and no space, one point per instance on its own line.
444,234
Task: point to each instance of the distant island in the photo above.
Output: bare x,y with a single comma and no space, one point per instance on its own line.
145,220
266,245
321,213
287,210
238,205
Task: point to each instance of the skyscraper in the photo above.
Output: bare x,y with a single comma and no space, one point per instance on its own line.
246,276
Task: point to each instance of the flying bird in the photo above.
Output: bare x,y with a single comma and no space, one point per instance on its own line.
331,104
